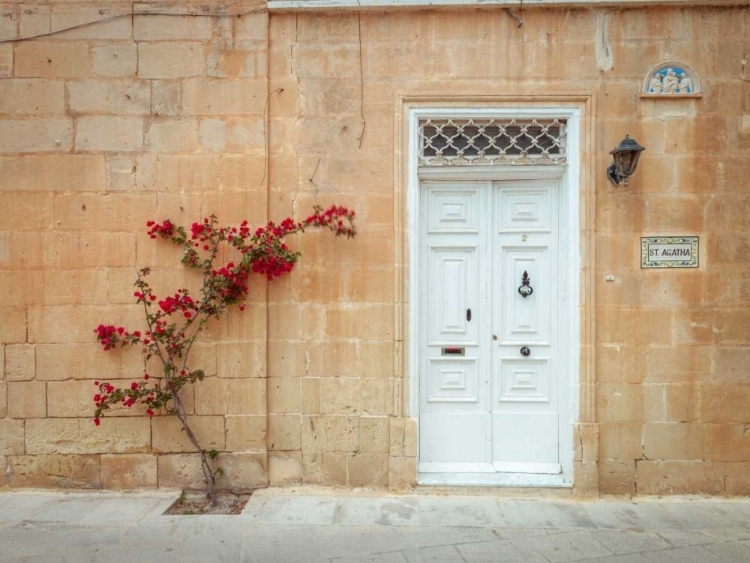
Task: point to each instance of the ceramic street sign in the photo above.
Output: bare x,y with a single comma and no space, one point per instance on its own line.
669,252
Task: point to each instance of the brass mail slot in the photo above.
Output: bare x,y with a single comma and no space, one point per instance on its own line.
453,351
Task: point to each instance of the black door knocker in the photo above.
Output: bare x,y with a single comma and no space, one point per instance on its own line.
525,290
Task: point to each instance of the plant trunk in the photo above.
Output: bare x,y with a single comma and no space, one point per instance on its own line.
208,474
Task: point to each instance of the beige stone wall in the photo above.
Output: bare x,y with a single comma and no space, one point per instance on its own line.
116,123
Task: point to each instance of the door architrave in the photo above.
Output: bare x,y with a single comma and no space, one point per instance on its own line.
575,386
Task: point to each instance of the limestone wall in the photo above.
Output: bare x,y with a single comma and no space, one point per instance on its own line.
146,117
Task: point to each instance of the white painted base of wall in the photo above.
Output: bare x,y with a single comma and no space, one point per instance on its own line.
493,480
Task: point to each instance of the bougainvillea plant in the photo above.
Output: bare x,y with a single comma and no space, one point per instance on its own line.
174,322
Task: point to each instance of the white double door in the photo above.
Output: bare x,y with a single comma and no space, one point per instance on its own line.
488,301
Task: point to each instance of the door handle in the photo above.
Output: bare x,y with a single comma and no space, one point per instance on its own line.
525,351
468,314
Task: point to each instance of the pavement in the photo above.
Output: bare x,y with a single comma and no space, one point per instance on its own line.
301,525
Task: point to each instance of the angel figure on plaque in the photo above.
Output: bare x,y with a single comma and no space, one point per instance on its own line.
686,84
655,85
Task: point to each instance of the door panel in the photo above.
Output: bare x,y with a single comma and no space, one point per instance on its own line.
524,319
453,282
485,406
454,368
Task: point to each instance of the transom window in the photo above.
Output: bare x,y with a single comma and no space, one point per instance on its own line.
452,142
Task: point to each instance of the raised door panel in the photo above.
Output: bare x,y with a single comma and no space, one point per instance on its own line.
453,287
453,210
525,319
525,210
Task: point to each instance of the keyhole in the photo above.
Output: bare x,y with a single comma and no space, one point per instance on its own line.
468,314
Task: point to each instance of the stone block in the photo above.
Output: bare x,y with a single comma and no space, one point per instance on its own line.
252,27
737,478
11,437
340,395
681,402
402,473
180,471
729,442
284,395
679,364
586,479
235,97
284,432
109,134
63,17
32,97
49,173
403,437
216,395
310,395
586,442
3,399
333,359
49,134
679,477
617,477
324,468
20,363
110,212
190,173
171,28
375,358
27,399
240,359
619,403
284,468
86,361
374,434
238,135
242,471
244,171
246,433
621,440
8,22
172,136
345,321
106,97
115,61
52,60
6,60
31,212
120,173
70,323
232,63
732,365
128,471
165,98
75,398
81,436
53,471
675,440
725,404
330,433
168,435
73,287
367,470
170,60
34,20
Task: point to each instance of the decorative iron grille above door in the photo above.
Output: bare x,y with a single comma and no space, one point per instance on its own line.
461,142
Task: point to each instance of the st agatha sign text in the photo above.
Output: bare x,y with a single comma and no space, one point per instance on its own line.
669,252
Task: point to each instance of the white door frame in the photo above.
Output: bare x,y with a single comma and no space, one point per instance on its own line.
570,260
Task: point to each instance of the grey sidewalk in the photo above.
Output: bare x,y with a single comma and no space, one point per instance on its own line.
279,526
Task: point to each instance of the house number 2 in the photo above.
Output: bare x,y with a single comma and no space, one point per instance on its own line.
524,238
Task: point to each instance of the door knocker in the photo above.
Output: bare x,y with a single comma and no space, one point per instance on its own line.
525,289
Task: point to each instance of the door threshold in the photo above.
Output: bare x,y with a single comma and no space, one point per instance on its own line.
494,480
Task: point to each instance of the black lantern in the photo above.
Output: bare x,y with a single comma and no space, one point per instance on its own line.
625,156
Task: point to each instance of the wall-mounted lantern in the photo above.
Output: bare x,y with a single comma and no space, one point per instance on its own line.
625,158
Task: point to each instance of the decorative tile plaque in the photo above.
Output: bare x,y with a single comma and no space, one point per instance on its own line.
669,252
